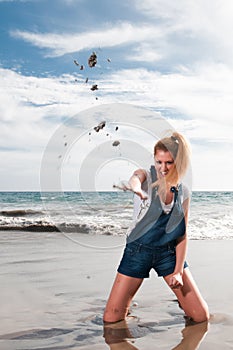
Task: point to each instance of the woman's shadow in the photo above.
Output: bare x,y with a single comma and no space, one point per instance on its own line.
120,336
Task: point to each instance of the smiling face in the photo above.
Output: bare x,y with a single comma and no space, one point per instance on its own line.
164,163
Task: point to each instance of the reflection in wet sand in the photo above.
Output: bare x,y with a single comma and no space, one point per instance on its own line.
117,334
192,334
120,335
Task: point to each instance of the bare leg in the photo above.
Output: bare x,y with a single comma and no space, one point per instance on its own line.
123,290
190,298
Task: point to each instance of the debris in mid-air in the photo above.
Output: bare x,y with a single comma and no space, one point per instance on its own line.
123,185
94,87
116,128
76,63
86,81
82,67
116,143
65,144
92,60
96,98
101,125
108,59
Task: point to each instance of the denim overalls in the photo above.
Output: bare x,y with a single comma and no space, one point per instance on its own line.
152,242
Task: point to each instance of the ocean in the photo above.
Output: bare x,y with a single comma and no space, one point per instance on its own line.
106,213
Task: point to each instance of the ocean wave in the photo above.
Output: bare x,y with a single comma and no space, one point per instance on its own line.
20,212
39,225
198,228
83,224
209,219
63,227
31,228
211,227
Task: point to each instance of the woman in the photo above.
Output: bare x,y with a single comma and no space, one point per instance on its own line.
158,238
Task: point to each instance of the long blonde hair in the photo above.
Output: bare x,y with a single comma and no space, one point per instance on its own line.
179,149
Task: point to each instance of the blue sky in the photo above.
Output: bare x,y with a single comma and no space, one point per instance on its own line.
174,58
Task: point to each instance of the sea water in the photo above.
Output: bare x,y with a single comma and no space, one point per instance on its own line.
107,213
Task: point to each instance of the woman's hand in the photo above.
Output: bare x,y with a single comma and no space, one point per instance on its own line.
126,186
134,184
142,194
136,181
176,280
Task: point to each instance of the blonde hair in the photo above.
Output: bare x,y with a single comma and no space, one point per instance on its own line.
179,149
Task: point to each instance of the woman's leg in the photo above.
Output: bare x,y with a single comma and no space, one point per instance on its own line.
190,298
123,290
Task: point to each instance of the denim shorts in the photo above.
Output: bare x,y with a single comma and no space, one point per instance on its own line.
138,259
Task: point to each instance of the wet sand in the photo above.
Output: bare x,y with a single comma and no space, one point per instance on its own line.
53,293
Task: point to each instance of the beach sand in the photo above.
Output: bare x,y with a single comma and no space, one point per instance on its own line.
53,292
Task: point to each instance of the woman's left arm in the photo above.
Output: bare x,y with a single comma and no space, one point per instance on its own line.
181,250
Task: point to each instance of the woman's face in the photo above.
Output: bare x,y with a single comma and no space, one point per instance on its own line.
164,162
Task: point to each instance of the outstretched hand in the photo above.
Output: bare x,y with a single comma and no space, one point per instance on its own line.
125,186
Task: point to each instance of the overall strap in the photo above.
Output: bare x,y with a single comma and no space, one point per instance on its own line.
175,191
153,173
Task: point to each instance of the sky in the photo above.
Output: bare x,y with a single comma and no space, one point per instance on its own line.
173,58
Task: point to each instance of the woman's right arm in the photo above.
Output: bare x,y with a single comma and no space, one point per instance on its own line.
135,182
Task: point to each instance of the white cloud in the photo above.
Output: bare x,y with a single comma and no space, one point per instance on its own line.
146,52
109,36
31,108
207,22
192,43
185,32
204,93
20,170
212,169
205,17
36,106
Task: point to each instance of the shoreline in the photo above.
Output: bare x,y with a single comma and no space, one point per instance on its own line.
53,293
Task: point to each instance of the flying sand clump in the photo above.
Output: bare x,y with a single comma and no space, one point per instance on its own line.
94,87
100,126
92,62
116,143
